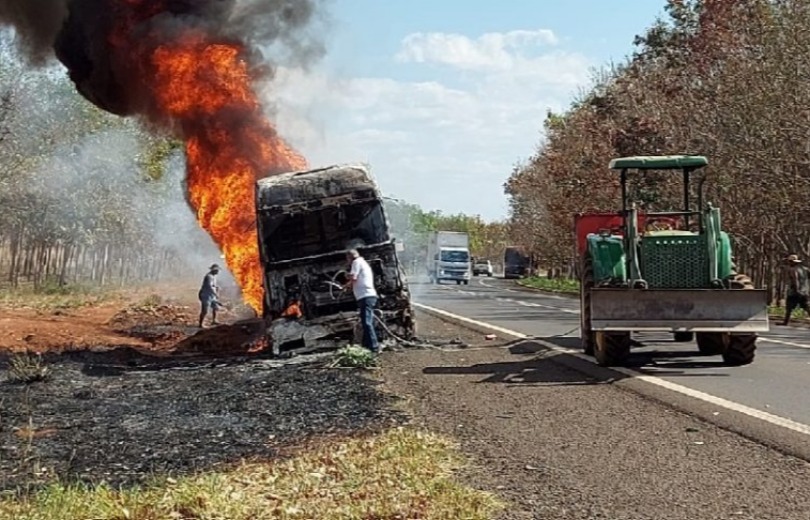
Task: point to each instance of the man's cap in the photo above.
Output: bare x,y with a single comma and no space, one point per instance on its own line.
793,259
213,266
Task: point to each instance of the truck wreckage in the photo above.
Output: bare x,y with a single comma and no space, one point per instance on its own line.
307,221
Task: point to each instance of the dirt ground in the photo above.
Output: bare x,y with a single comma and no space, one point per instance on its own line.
138,319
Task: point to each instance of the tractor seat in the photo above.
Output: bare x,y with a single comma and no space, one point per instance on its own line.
668,233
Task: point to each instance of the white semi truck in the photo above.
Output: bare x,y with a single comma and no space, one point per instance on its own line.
448,257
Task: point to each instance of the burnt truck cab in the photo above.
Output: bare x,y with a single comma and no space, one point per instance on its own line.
307,221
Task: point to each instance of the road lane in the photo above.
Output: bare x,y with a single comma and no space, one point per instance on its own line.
778,382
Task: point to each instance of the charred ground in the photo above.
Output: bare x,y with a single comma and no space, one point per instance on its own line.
164,398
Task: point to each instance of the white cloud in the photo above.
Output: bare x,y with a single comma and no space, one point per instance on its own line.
445,141
488,51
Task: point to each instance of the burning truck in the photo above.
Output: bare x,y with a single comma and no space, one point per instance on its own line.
307,221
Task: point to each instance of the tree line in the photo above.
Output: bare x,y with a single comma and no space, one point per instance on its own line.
719,78
86,197
412,225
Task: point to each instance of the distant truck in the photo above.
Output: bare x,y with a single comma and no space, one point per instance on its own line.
448,257
515,262
307,221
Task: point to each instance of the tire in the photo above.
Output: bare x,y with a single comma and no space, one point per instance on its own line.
736,349
611,349
710,343
489,275
740,350
586,283
739,281
683,337
466,282
458,282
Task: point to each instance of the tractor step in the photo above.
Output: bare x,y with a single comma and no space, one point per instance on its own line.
679,310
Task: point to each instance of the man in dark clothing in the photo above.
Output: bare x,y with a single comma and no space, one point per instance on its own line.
798,287
208,295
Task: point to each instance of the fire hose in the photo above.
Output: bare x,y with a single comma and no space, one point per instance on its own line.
409,343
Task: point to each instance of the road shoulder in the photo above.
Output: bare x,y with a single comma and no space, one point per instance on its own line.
557,442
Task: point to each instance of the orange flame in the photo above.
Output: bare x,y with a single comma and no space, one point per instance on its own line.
207,89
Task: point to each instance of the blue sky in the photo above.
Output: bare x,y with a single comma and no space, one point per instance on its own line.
442,98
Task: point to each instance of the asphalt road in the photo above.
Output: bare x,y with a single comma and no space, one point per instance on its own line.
777,382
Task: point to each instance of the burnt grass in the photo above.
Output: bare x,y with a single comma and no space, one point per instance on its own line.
116,419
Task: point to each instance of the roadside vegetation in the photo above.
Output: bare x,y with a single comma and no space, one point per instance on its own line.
55,297
399,474
720,78
555,285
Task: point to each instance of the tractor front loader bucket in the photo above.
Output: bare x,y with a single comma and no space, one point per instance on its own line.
679,310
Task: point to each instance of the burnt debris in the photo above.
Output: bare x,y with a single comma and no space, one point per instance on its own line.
123,427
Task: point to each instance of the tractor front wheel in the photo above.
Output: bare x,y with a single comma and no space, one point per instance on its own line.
611,348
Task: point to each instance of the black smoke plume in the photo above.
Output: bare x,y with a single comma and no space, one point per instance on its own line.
94,39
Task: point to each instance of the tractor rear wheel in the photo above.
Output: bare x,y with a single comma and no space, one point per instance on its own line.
739,281
684,337
585,286
611,348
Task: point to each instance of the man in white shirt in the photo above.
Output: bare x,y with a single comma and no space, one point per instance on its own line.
361,280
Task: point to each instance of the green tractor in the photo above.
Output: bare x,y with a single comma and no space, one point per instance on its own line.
669,271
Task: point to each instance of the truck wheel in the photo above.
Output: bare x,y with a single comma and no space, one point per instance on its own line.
466,282
586,283
611,349
489,275
684,337
740,349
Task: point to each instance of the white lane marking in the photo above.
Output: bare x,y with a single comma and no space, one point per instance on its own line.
511,300
783,342
663,383
470,321
481,281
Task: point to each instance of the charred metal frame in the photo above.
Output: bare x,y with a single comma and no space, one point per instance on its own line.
327,322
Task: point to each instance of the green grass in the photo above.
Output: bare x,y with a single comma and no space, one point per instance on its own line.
779,312
399,474
354,356
54,296
557,285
